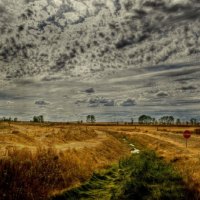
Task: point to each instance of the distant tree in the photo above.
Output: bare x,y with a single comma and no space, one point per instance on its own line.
35,119
39,118
6,119
167,120
93,119
193,121
132,120
15,119
170,120
88,118
178,121
145,119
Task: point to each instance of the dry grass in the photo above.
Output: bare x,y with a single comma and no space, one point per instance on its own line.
71,153
27,175
22,135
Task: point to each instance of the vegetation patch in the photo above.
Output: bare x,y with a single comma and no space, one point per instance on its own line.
143,176
25,176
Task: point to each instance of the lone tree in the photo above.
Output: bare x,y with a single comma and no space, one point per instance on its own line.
93,119
39,119
145,119
132,120
15,119
178,121
90,118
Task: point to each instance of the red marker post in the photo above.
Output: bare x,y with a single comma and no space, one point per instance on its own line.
186,135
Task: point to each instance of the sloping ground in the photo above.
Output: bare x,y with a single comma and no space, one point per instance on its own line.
19,136
36,166
171,146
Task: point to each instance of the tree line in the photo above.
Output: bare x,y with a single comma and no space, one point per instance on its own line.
143,119
9,119
165,120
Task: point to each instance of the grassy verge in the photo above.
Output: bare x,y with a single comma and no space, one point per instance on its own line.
142,176
24,176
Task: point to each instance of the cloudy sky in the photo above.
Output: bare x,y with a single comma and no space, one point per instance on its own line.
116,59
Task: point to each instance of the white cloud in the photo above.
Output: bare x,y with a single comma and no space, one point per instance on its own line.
88,49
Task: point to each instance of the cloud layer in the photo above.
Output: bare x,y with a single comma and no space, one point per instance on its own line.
105,57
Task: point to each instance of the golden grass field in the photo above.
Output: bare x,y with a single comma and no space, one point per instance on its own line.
38,160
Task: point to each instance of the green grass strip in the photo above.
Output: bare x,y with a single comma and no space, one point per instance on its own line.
142,176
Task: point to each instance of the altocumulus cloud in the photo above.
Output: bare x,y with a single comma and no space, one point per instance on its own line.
128,102
41,103
89,91
162,94
100,101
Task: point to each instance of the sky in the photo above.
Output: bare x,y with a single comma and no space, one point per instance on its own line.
115,59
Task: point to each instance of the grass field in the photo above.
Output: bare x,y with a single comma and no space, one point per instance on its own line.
38,161
169,143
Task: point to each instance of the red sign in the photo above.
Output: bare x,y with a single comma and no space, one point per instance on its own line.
187,134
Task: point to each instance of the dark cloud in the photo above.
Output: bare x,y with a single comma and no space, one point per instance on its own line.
51,78
29,1
89,90
94,101
100,101
162,94
128,102
190,87
41,103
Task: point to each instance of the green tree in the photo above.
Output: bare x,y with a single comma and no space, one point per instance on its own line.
88,118
167,120
39,118
93,119
145,119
